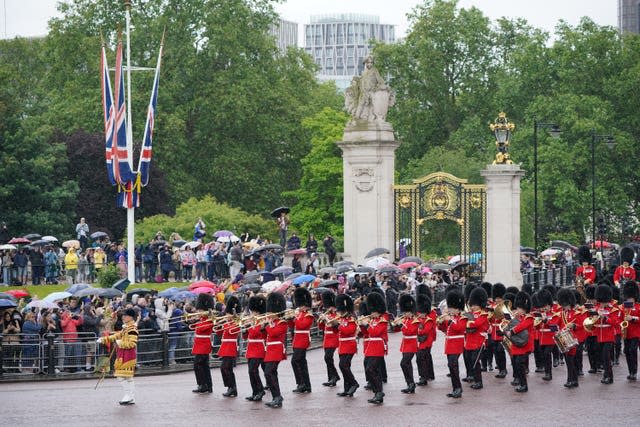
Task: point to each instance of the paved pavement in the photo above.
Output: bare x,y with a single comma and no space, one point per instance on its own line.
167,400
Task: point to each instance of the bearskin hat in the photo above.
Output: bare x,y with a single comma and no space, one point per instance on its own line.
451,288
627,254
422,290
488,287
233,305
603,293
566,297
511,297
544,297
512,290
615,293
467,291
498,290
328,299
276,302
478,297
363,309
423,303
455,299
204,302
377,290
523,301
535,300
407,303
527,288
344,303
552,291
302,297
630,290
258,303
376,303
584,255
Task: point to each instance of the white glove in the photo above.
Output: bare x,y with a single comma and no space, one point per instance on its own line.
99,341
119,343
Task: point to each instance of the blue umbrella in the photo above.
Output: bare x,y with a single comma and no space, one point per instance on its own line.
77,287
6,303
267,276
303,279
183,296
167,293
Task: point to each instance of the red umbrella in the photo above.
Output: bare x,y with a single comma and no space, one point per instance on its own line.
599,244
297,251
409,264
202,284
18,293
283,288
204,290
19,241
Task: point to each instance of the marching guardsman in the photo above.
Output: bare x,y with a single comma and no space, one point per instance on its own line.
543,303
625,272
454,326
604,329
202,344
409,343
476,333
631,334
591,343
520,355
255,337
330,337
566,319
301,339
126,342
497,293
276,331
347,346
586,273
385,337
363,313
228,351
426,335
555,307
487,352
376,327
465,354
579,332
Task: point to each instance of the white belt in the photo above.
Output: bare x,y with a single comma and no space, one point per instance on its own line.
450,337
260,341
327,331
412,337
303,332
484,334
274,343
347,339
229,340
376,339
545,330
203,336
602,326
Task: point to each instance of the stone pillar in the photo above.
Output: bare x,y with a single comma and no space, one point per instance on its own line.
503,223
368,153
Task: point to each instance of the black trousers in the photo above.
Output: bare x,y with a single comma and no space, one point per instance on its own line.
618,347
593,352
271,377
572,372
538,357
373,368
467,363
578,356
607,356
226,369
454,370
422,363
500,355
332,372
407,367
202,370
300,367
345,367
547,358
520,368
631,354
487,353
383,370
430,371
366,373
475,367
254,375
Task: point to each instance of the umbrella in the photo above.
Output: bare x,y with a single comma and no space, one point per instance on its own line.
77,287
178,243
407,265
7,247
376,252
283,269
168,292
303,279
389,269
274,246
455,259
19,241
599,244
341,263
18,293
223,233
343,269
49,239
460,265
271,286
425,270
204,290
7,303
121,285
250,287
4,295
227,239
365,269
251,245
251,276
32,236
327,283
139,291
320,290
183,296
71,243
42,304
86,292
293,276
563,244
109,293
191,245
327,270
440,266
283,288
550,252
202,284
57,296
99,235
527,251
277,212
415,259
267,276
297,251
376,262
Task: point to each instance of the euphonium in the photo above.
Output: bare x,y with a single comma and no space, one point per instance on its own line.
590,323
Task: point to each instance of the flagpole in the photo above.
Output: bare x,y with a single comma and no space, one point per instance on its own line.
131,256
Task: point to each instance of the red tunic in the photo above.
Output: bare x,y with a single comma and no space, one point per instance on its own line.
229,344
347,336
624,273
633,330
276,335
202,339
476,332
605,327
409,342
526,322
579,332
255,342
454,330
330,338
302,329
377,331
588,273
426,329
545,334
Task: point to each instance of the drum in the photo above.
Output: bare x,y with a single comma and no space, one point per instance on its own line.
565,340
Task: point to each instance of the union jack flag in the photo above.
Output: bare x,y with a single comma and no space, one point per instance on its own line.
107,107
119,152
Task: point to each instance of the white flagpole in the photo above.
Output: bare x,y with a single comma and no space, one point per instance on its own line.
131,257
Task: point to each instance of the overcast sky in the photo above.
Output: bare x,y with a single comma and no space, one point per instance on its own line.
29,17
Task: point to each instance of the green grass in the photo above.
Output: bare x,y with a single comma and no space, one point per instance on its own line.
42,291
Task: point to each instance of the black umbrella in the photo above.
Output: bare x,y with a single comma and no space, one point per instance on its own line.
32,236
121,285
40,243
277,212
415,259
99,235
320,290
178,243
250,287
327,270
274,246
251,276
364,269
109,293
283,269
460,265
343,269
341,263
389,269
267,276
327,283
293,276
441,266
376,252
563,245
139,291
528,251
86,292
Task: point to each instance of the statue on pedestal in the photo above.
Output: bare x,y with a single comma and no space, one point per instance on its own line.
368,98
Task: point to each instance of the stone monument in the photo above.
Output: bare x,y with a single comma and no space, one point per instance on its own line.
368,151
503,210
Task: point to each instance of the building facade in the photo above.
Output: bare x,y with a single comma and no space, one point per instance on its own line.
286,34
629,16
339,43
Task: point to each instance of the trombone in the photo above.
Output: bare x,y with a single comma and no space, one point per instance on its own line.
186,317
398,320
221,322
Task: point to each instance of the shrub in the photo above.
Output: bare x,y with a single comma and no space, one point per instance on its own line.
108,275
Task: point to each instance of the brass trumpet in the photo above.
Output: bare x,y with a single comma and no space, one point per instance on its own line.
221,322
185,317
398,320
362,319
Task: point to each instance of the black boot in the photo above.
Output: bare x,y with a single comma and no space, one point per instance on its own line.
275,403
502,374
231,392
476,386
377,399
199,389
411,388
456,393
367,386
258,397
422,381
522,389
352,390
331,383
547,377
299,389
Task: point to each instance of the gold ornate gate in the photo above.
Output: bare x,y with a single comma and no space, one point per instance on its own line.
442,196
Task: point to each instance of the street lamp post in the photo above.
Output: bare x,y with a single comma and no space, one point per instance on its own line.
555,133
611,142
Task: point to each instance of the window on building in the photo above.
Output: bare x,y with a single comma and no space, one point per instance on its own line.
350,34
340,34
